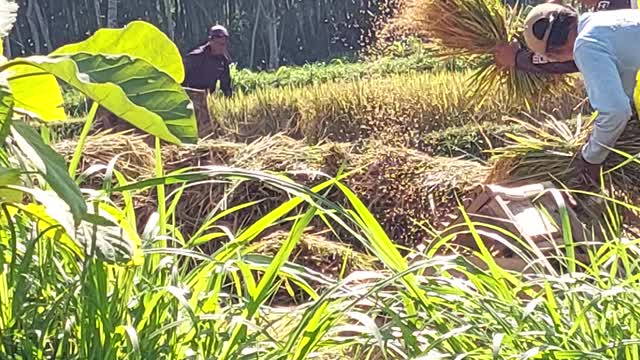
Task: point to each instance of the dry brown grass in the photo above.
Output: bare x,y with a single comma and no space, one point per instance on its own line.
316,251
405,189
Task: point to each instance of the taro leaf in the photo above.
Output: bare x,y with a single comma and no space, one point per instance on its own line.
139,40
112,243
52,167
36,93
130,88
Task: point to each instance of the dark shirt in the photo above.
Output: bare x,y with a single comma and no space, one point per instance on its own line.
203,70
527,60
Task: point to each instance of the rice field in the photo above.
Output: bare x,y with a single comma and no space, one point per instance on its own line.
291,237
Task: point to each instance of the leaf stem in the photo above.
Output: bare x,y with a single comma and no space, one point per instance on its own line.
77,155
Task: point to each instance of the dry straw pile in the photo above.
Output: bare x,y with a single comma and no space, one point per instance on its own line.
405,189
329,257
547,150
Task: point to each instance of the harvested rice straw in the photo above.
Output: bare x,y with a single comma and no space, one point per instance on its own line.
472,28
548,149
135,158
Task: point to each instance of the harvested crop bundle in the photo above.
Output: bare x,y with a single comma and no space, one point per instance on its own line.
409,191
548,148
406,190
135,158
472,28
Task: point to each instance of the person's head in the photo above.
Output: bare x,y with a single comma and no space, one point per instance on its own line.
218,36
551,30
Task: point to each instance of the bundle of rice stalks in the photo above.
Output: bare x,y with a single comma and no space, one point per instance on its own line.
406,190
316,252
134,157
279,154
205,153
472,28
548,148
411,193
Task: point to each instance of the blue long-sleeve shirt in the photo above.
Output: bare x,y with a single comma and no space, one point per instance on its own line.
608,57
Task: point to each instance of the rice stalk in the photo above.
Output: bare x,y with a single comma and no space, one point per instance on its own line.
548,148
406,189
471,29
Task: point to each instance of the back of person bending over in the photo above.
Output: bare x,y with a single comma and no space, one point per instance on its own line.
602,46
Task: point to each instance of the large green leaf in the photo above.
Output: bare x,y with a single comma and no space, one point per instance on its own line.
52,167
36,93
132,89
138,39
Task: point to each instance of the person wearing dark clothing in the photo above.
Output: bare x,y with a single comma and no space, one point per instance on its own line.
518,56
208,64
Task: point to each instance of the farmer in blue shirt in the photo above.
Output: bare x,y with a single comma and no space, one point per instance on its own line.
602,44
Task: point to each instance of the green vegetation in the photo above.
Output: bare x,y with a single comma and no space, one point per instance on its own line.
412,58
400,58
186,299
280,248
